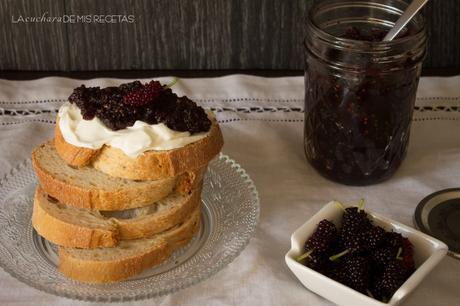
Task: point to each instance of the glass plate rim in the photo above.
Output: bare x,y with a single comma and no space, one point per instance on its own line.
170,289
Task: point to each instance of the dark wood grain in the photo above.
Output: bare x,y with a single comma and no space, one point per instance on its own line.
184,34
205,34
33,45
443,24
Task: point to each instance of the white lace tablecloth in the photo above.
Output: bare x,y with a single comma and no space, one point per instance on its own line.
262,123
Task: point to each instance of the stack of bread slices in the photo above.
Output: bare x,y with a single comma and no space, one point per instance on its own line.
112,215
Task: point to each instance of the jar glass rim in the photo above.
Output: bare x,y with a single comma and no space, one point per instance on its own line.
361,44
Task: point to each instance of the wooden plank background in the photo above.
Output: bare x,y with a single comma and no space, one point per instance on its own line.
32,46
182,34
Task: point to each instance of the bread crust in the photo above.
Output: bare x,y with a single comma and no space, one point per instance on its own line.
72,155
151,165
182,235
48,221
96,271
69,234
106,271
147,226
117,199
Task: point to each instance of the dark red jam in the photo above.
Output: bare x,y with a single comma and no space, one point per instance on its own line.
359,90
358,135
120,107
373,34
357,123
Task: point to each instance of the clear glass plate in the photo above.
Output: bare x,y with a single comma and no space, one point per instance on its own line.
229,218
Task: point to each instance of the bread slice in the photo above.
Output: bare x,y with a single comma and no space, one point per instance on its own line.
182,233
149,220
129,258
151,165
69,226
107,265
74,156
91,189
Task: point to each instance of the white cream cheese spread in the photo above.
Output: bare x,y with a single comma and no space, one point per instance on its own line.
133,140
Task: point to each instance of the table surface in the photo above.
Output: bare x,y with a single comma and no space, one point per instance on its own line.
262,123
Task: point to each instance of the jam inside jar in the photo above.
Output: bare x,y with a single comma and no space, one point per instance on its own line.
359,91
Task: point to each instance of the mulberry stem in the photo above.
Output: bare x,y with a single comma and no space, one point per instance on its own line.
337,256
398,256
339,205
172,83
361,205
304,255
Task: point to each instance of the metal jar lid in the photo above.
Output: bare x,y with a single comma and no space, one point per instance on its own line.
438,215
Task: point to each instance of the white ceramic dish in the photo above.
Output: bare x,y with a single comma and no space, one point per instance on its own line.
428,252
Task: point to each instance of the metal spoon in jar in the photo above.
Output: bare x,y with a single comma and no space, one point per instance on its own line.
408,14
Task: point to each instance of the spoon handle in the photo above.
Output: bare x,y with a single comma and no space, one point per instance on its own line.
408,14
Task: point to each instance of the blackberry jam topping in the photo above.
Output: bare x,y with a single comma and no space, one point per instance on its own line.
371,35
120,107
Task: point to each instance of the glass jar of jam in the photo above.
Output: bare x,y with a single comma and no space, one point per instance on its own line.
359,91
